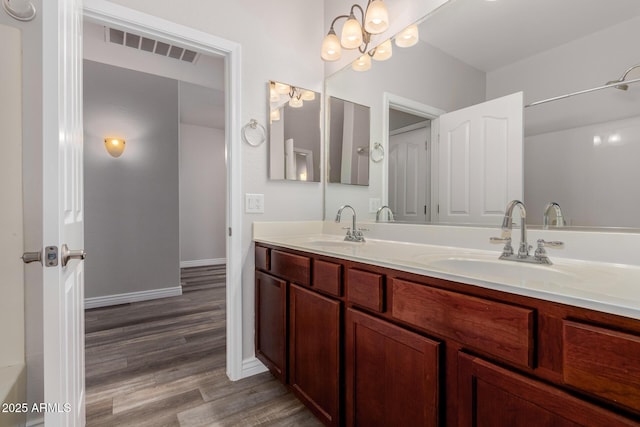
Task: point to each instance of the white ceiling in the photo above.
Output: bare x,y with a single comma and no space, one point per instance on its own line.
473,30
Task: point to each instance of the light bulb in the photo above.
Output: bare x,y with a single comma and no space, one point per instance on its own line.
376,20
308,95
275,115
362,64
383,51
331,50
274,96
408,37
282,88
351,36
295,102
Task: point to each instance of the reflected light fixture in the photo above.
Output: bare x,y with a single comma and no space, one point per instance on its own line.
408,37
355,35
275,115
363,63
114,146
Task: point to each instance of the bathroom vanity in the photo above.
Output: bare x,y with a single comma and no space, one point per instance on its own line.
362,343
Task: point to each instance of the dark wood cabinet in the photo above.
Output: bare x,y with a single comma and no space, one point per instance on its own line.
314,348
392,375
490,395
271,323
365,345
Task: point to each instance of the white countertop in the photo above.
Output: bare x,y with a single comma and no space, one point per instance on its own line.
607,287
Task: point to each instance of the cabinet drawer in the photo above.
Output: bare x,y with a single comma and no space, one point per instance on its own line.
262,258
296,268
503,330
327,277
603,362
365,289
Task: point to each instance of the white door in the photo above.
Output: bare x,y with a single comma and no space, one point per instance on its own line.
409,175
63,212
480,160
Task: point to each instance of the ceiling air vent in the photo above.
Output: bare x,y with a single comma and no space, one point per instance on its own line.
135,41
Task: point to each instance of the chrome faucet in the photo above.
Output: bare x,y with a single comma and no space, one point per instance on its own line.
540,255
558,212
507,226
354,234
379,212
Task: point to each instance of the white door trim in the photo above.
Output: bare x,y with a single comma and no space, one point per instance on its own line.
389,100
117,16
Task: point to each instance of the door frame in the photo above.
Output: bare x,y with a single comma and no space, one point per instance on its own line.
406,105
107,13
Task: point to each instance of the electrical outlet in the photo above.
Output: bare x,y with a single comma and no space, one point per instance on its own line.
254,203
374,205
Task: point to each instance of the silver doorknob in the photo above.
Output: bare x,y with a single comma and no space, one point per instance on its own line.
67,254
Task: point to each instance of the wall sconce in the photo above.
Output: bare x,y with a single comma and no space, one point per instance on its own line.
114,146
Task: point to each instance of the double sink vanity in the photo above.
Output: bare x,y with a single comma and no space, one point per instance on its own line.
395,331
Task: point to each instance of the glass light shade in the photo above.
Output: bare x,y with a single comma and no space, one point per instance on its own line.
274,96
308,95
295,102
275,115
408,37
351,36
383,51
376,20
362,64
114,146
282,88
331,50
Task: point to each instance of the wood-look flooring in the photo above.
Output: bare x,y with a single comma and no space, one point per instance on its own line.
162,363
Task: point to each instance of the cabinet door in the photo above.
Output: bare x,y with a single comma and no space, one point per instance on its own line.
391,374
314,341
493,396
271,323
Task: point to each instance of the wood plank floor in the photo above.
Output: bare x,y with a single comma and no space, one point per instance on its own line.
162,363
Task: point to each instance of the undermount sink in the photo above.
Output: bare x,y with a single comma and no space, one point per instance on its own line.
507,270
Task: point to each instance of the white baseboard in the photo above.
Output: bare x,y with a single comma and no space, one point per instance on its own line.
116,299
252,366
202,262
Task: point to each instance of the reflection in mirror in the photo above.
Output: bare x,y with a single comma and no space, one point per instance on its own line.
348,142
579,151
294,133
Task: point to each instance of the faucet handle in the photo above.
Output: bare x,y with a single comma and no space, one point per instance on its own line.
551,244
508,249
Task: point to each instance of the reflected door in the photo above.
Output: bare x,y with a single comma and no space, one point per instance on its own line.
480,160
409,175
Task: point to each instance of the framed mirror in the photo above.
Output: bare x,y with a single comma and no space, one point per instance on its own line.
294,133
348,130
577,149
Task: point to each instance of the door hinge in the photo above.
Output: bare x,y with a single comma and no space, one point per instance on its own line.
425,209
229,231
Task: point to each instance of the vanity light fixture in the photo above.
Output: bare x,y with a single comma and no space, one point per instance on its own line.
356,35
114,146
296,94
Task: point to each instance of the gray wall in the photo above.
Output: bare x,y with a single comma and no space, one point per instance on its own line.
131,202
203,180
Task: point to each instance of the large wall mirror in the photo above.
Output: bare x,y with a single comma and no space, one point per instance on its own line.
294,133
349,135
580,151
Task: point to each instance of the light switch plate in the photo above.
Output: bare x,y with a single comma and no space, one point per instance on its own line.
253,203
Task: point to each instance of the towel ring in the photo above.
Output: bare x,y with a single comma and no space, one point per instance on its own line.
253,133
377,153
25,13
